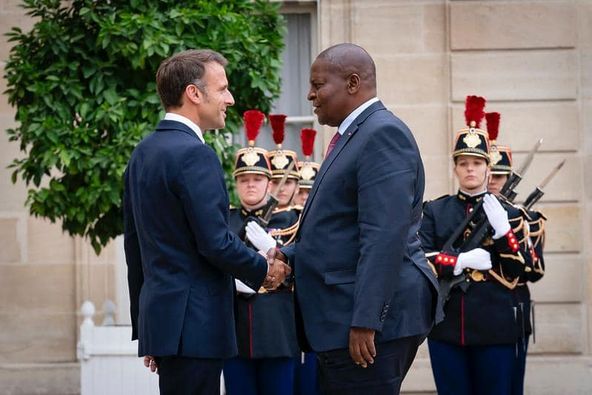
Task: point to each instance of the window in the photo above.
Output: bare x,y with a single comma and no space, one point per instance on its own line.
296,59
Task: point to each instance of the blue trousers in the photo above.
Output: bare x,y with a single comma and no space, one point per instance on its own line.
520,371
472,370
306,377
260,376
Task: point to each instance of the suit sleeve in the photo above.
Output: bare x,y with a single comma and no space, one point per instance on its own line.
442,262
386,172
205,201
133,257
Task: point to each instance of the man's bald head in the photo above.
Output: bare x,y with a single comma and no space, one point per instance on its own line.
342,78
350,59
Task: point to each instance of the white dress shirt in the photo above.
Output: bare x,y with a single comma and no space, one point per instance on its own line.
354,114
170,116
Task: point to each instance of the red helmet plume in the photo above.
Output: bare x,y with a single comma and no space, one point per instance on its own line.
307,138
278,122
253,120
493,120
474,113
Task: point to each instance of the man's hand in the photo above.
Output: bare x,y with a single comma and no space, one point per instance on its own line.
150,363
277,269
361,346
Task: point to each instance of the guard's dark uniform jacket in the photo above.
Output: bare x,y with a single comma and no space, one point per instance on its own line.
265,323
486,314
535,268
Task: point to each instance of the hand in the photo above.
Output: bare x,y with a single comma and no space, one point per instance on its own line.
277,271
497,216
259,237
150,363
477,258
361,346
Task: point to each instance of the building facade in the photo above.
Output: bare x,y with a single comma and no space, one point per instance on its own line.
531,59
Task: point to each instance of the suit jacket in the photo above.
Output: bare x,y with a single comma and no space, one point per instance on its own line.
357,259
180,253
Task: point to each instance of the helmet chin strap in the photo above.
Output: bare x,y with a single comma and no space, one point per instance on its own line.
260,203
486,178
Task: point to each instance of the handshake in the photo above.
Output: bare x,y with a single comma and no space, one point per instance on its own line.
278,269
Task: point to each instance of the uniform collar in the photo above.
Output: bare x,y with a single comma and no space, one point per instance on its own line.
468,198
258,212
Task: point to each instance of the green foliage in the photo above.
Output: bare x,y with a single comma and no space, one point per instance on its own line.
82,82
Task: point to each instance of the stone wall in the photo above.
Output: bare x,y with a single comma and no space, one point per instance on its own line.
532,60
44,274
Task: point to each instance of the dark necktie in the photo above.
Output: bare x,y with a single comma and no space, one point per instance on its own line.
332,143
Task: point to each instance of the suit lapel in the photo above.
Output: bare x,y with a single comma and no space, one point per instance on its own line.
343,140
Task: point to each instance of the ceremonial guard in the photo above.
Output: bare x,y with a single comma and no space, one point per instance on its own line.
265,324
280,160
308,168
473,243
501,168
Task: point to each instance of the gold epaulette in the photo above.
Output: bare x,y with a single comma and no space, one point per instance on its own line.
433,200
523,211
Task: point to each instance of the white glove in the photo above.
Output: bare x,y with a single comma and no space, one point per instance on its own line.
259,237
243,288
497,216
477,258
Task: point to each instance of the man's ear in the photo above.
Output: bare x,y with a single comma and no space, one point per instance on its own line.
353,83
193,94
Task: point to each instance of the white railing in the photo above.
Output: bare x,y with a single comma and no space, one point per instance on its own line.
109,363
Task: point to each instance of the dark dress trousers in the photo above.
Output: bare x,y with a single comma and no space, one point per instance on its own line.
180,253
357,259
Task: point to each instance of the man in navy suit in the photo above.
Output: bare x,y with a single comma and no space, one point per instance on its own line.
180,253
364,288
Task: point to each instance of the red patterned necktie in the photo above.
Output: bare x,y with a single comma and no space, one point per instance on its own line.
332,143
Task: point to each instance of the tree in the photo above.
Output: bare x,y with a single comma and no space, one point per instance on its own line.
82,82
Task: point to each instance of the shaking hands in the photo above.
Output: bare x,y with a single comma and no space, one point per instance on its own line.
277,265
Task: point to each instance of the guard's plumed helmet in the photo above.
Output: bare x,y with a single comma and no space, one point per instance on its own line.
308,168
251,159
279,158
500,155
472,141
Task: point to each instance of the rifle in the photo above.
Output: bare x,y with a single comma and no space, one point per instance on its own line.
479,229
538,192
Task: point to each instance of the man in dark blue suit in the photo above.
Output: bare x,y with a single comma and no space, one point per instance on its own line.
180,253
364,288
